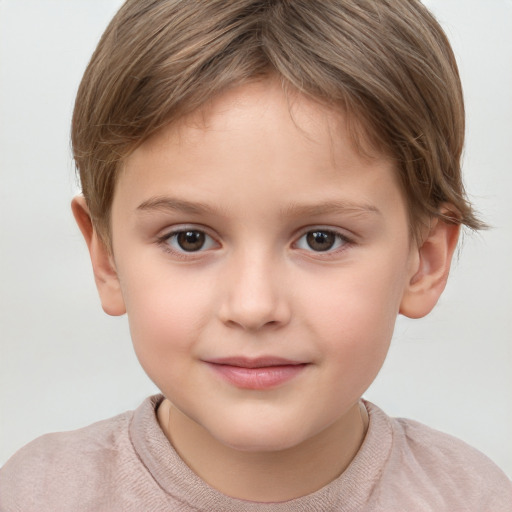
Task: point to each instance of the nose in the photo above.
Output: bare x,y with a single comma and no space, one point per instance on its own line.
255,295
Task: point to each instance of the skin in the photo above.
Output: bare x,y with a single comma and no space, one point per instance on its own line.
256,171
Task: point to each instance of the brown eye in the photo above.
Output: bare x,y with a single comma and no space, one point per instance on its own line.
188,241
321,240
191,240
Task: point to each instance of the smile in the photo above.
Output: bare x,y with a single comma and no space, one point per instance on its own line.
257,374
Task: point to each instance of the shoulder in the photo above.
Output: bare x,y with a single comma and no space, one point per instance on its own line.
58,466
436,449
439,468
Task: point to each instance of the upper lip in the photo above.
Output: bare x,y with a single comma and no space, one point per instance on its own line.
258,362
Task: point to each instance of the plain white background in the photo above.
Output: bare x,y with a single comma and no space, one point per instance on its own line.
65,364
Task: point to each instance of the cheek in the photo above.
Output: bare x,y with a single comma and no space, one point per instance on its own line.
165,316
354,316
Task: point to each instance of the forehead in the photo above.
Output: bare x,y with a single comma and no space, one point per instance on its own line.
253,134
281,108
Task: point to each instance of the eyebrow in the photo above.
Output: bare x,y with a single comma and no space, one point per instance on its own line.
339,207
164,203
173,205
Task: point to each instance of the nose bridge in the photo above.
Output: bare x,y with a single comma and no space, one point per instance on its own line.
255,296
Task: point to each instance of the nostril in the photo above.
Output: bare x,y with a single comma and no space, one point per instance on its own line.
255,321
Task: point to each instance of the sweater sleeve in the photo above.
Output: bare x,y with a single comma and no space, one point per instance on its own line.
62,471
452,474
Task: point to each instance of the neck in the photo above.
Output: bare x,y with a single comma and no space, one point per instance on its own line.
266,476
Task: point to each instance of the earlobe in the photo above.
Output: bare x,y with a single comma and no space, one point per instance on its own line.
429,272
105,275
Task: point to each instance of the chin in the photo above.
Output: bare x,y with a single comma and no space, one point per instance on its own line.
262,439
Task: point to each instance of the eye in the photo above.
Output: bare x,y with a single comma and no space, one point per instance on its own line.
189,240
321,240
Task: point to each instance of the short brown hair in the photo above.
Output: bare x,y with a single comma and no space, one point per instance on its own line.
387,63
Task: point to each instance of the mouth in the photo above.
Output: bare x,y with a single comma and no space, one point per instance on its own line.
257,374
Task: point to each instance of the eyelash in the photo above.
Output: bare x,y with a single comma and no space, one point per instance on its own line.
164,241
341,242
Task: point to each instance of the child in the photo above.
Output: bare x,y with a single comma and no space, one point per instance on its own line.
267,184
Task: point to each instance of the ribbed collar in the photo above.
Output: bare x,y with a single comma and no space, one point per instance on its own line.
349,492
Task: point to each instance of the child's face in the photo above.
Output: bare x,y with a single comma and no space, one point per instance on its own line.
254,234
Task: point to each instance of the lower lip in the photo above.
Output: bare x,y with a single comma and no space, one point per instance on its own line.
257,378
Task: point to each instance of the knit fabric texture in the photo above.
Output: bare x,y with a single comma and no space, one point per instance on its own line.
127,464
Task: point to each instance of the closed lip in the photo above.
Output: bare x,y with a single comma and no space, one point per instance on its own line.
259,373
258,362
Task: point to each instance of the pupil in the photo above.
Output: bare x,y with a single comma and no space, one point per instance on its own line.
321,240
191,240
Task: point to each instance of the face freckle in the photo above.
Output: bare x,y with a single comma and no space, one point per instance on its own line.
271,331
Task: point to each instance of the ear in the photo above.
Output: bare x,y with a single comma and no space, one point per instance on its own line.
103,265
430,268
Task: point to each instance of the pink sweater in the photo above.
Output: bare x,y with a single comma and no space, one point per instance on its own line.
127,464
